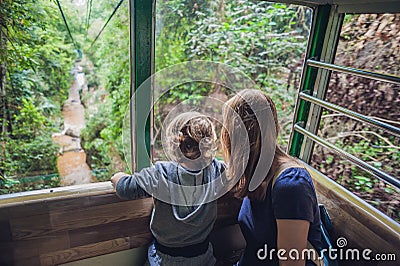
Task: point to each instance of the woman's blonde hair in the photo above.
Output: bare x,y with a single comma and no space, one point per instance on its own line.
191,136
242,104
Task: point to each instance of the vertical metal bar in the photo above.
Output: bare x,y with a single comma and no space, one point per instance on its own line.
132,78
314,50
141,68
322,81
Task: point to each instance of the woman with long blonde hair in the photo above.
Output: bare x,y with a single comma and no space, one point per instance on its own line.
279,213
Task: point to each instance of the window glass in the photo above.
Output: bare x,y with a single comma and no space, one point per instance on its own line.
64,89
266,41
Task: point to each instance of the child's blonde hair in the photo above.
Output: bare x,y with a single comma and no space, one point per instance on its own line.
191,136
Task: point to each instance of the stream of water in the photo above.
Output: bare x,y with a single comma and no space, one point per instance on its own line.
71,164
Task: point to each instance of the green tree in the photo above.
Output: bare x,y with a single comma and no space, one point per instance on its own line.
36,56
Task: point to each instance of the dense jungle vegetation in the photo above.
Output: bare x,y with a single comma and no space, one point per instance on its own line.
267,41
36,57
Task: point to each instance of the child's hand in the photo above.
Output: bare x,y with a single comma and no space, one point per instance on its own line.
116,177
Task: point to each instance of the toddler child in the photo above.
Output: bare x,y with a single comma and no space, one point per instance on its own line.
183,214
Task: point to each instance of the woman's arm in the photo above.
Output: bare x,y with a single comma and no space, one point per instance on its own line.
292,238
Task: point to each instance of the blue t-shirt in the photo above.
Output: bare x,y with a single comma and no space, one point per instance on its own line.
294,198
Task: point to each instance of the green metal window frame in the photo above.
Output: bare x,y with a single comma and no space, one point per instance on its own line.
142,21
317,70
322,46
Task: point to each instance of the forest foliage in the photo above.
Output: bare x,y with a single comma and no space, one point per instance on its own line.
36,57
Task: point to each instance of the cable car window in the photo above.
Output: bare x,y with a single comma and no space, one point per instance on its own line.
64,89
371,47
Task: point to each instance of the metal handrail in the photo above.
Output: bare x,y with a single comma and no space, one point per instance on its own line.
360,163
362,118
355,71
